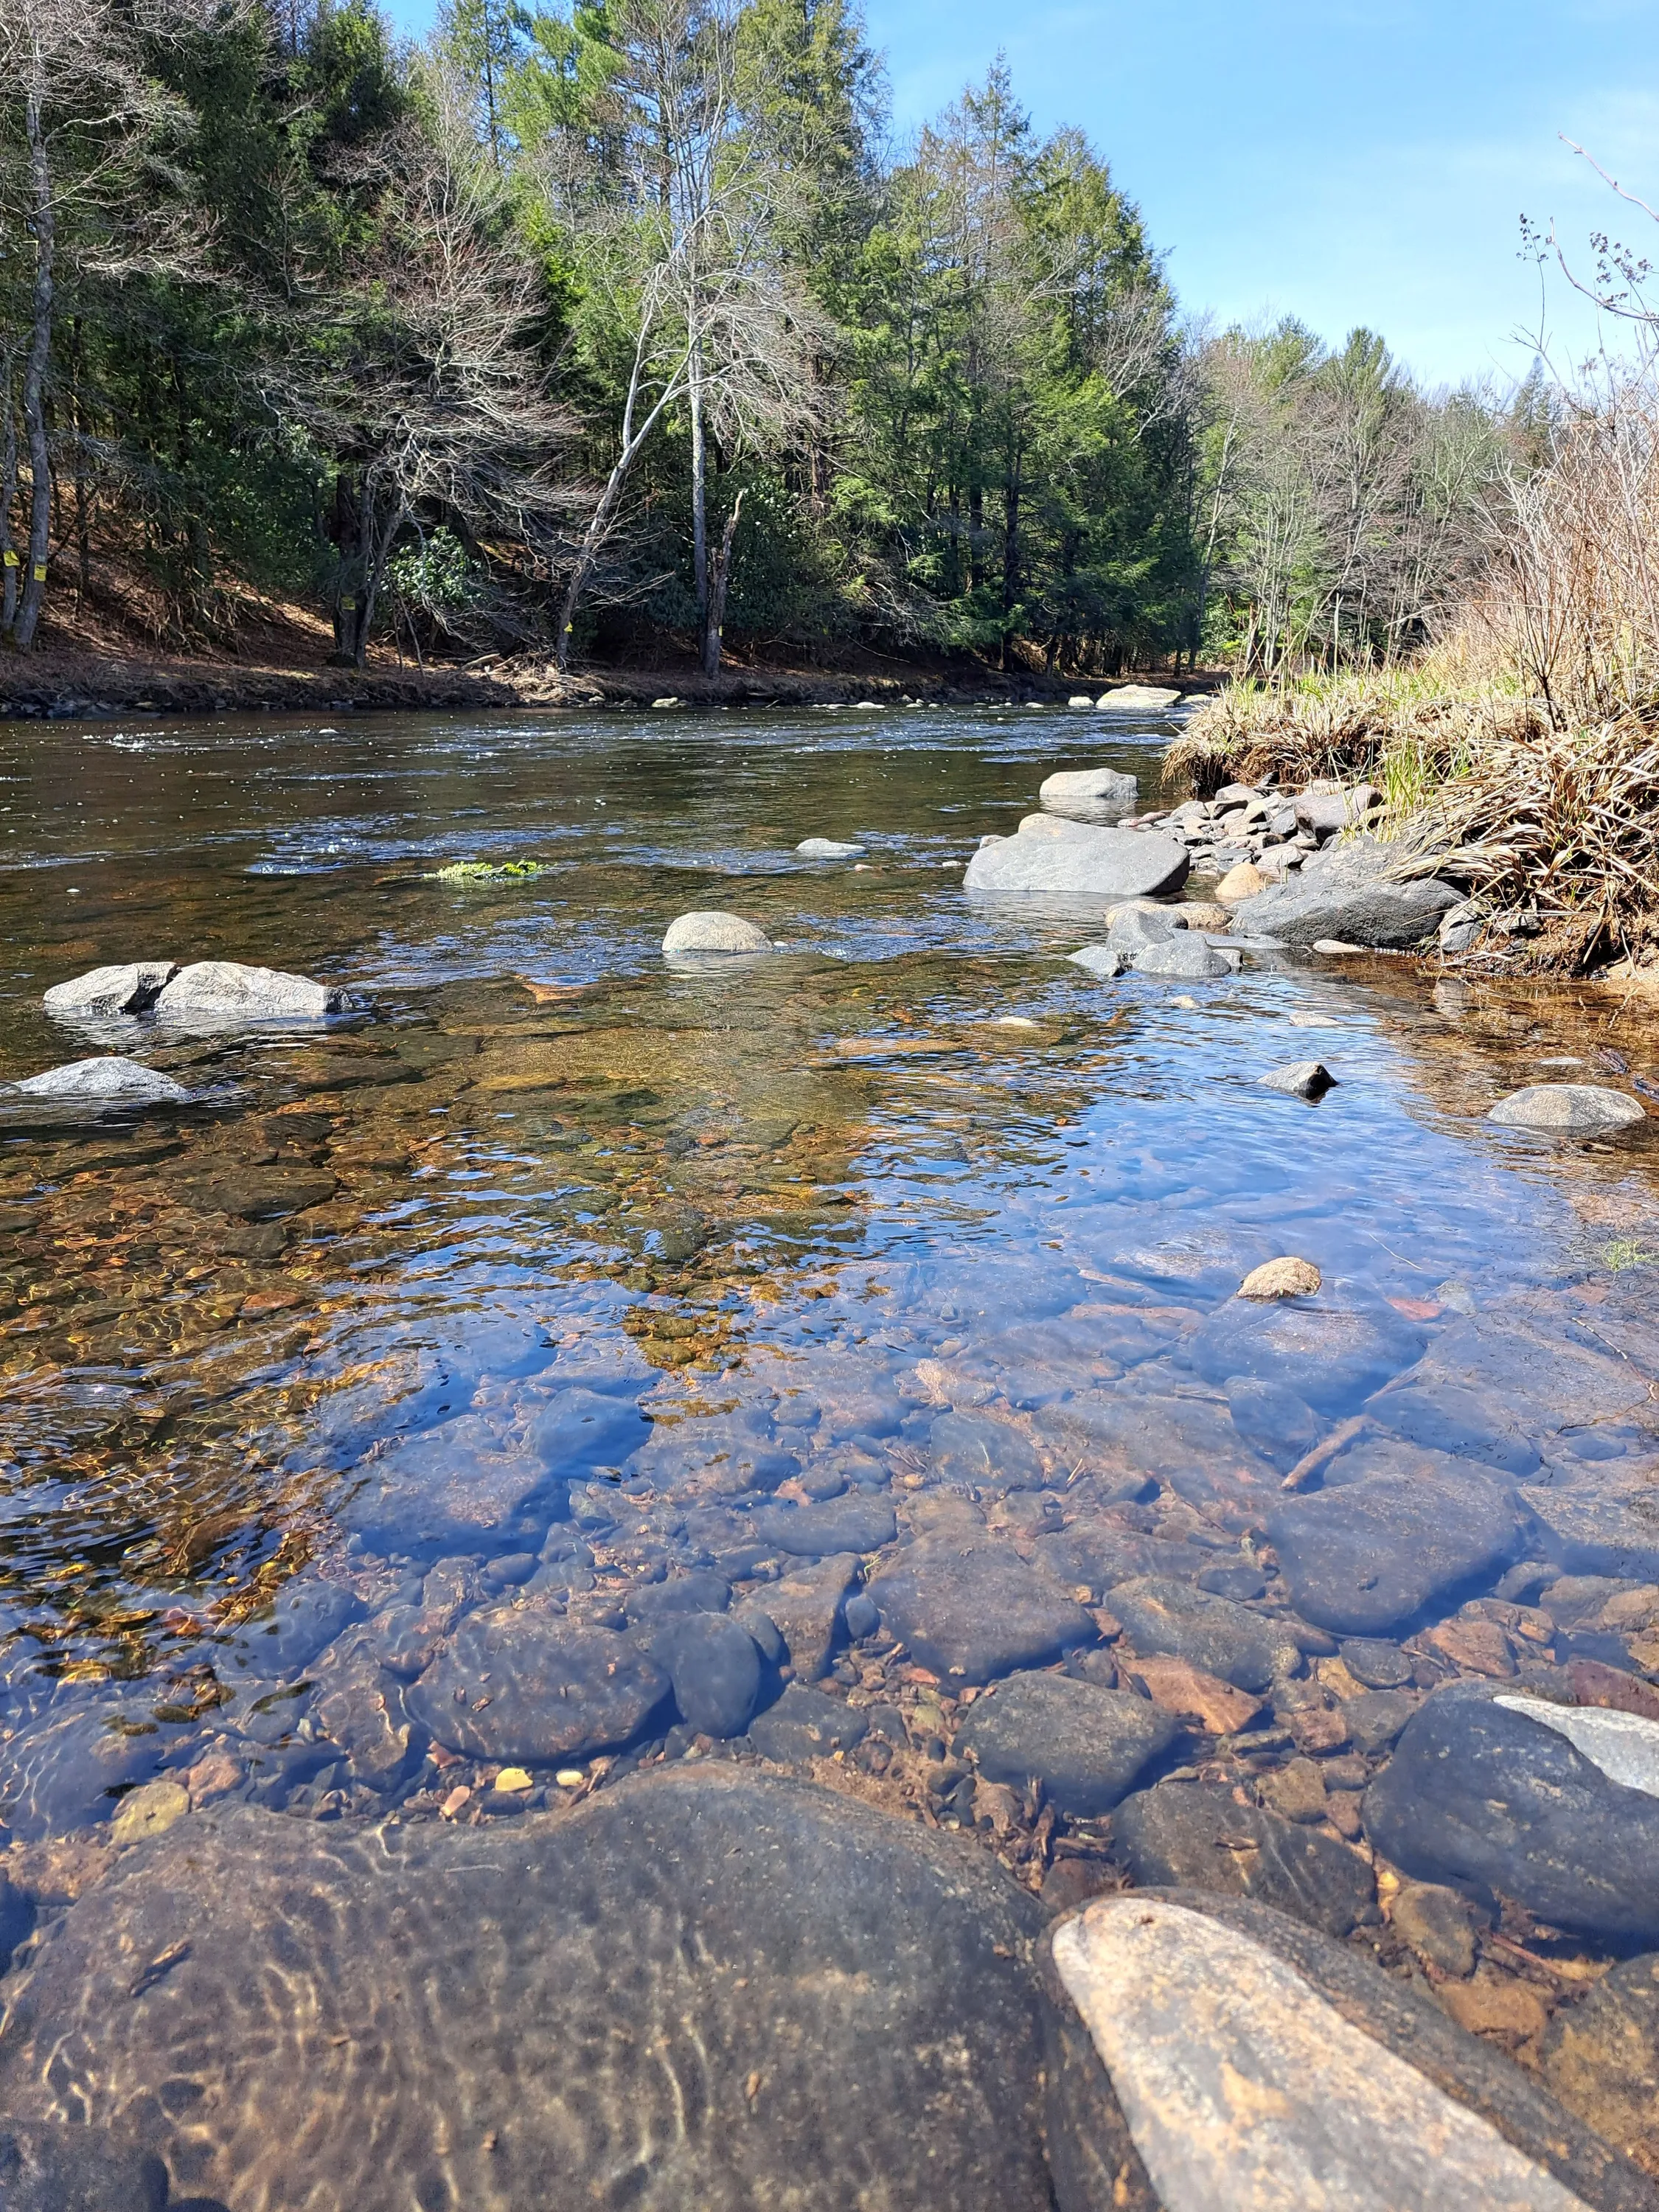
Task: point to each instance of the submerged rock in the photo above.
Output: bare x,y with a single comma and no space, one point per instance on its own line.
1207,2055
1568,1109
1368,1557
105,993
127,1082
1102,864
1600,2057
1088,1747
973,1611
706,1988
812,1532
1216,1634
224,994
1332,1354
714,932
1554,1806
515,1684
1196,1835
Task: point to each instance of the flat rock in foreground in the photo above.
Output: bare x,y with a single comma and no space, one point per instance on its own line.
1195,1835
1087,1746
700,1989
1214,2057
1102,864
1365,1558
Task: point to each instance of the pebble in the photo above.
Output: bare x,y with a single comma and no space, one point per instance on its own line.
1218,1707
148,1811
1194,1835
1239,883
1215,1633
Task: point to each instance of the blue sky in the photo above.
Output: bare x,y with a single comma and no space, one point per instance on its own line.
1344,160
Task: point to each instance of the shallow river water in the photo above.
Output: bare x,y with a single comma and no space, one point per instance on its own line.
372,1428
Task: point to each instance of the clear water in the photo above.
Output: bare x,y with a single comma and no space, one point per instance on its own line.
913,1134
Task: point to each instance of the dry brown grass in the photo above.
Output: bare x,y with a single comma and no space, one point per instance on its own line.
1526,739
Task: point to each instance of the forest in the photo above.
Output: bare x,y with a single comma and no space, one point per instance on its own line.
600,334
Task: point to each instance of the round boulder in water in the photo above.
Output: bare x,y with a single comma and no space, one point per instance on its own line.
703,1988
714,932
1568,1109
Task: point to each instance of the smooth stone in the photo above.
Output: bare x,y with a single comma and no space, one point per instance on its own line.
1093,794
1136,698
1376,1719
1436,1922
1108,961
1186,956
1087,1746
980,1450
1326,812
516,1685
705,1987
360,1707
1241,883
1367,1558
714,932
1194,1835
579,1429
108,1076
827,848
1531,1361
1375,915
1300,1078
1211,2055
455,1487
852,1523
104,994
1146,923
1568,1109
648,1604
223,994
1377,1664
715,1669
1598,1529
805,1723
1097,864
1482,1791
285,1636
1217,1634
973,1611
1332,1355
805,1608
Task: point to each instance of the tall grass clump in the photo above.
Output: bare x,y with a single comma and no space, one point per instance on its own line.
1519,750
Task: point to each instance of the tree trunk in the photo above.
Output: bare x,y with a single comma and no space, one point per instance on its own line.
380,554
35,380
699,499
78,423
8,494
721,576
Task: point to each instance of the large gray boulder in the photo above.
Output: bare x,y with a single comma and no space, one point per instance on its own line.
1096,864
216,995
1089,794
705,1988
127,1082
1568,1109
106,993
1344,894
